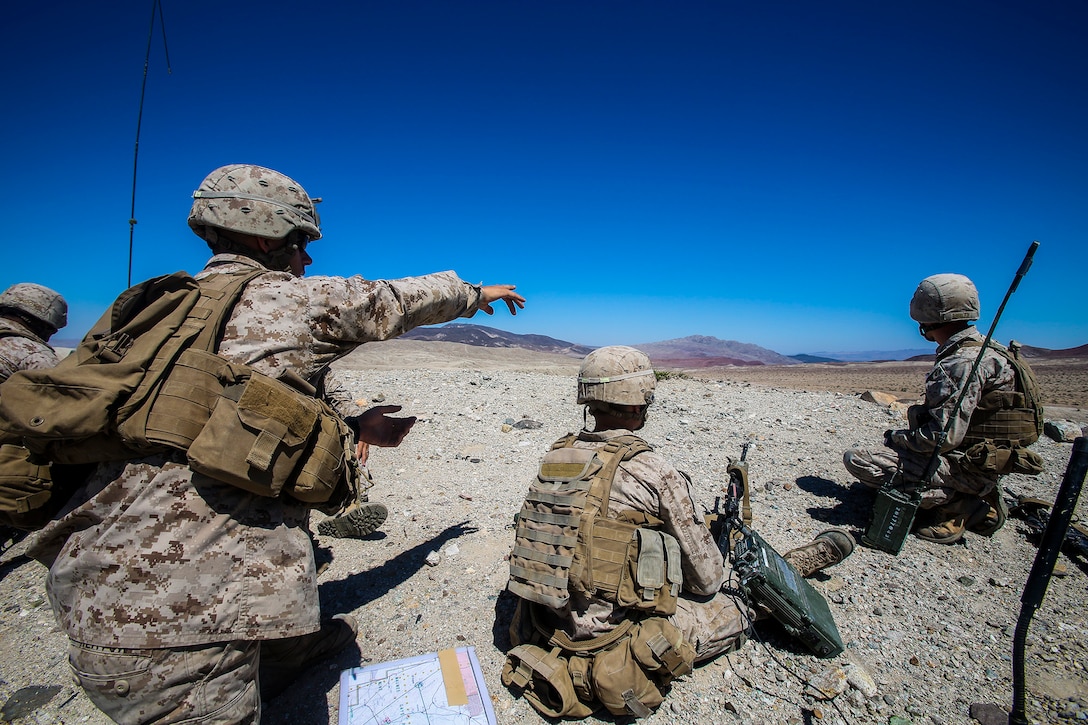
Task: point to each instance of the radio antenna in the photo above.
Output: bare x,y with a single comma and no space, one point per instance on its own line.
156,9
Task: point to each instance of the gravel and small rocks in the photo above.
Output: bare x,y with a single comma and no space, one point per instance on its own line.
928,633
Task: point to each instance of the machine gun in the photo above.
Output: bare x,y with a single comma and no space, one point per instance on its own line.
766,579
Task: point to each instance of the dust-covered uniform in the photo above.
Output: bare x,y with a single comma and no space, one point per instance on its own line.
710,620
913,447
22,349
149,556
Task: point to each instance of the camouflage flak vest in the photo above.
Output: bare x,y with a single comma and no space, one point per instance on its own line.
566,541
1011,419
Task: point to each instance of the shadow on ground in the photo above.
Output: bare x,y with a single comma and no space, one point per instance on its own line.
854,507
305,702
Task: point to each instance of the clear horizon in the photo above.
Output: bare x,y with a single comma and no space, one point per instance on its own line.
781,174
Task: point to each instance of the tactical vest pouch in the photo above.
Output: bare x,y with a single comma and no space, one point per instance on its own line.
651,576
188,395
994,459
327,476
24,487
30,494
543,679
629,677
256,435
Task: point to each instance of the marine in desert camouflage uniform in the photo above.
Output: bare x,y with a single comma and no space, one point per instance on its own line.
617,386
962,496
175,589
30,314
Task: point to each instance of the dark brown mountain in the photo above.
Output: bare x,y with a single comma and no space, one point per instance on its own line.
702,351
481,336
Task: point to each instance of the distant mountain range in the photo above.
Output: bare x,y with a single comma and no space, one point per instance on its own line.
694,351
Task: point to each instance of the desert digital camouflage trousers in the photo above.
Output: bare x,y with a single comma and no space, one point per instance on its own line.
874,468
713,625
208,684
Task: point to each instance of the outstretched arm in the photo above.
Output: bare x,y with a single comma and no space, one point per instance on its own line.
505,292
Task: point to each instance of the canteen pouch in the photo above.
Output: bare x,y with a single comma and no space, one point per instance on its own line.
257,440
628,678
24,486
544,681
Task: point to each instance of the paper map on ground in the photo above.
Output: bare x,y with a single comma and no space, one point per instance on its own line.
440,688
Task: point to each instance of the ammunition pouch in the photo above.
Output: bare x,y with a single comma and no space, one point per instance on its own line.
261,435
632,566
627,670
996,459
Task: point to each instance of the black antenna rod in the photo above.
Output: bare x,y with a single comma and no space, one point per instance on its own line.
156,6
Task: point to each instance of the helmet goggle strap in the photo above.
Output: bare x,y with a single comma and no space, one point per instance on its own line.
310,217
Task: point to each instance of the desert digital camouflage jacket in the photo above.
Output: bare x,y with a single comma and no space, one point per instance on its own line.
149,554
21,349
947,380
648,483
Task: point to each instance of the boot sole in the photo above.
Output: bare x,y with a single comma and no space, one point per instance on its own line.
356,524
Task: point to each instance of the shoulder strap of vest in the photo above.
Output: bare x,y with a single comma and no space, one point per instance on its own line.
218,294
968,342
617,450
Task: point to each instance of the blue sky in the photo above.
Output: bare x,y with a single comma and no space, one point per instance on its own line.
780,173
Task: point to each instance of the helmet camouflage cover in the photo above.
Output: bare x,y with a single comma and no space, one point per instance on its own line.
252,200
618,374
36,301
944,298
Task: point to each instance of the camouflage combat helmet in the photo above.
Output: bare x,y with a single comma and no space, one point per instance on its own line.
618,374
252,200
944,298
37,302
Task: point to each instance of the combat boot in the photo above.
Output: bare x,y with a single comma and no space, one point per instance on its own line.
997,514
283,660
361,519
828,548
952,520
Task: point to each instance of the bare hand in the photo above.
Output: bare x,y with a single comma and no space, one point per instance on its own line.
377,428
505,292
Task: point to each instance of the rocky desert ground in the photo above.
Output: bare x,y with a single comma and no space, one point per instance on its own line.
928,633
